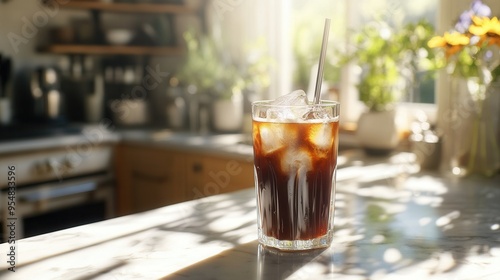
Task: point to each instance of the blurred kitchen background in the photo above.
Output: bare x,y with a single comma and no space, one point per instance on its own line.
91,88
101,55
130,64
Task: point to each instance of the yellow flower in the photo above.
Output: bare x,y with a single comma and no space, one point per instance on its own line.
452,42
487,29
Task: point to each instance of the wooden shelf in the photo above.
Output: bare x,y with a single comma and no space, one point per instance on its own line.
148,8
97,7
112,50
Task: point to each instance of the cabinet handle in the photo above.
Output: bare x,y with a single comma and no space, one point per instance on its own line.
197,167
152,178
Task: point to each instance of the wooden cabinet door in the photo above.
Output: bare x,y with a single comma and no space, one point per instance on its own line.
194,176
211,175
150,178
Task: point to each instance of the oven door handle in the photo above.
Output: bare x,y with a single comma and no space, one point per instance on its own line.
45,194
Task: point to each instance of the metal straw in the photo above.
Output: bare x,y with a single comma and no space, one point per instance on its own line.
319,78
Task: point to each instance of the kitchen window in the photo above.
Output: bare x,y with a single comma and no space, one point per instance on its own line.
293,31
351,14
348,16
288,25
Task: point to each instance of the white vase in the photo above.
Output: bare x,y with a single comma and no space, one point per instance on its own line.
377,132
472,137
227,114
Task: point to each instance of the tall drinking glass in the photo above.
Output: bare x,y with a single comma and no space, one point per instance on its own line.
295,162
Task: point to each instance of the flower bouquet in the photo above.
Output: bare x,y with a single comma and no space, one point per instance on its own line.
470,54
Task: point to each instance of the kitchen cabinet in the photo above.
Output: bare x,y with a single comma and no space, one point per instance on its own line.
150,177
209,175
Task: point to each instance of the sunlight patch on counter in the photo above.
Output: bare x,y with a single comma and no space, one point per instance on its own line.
392,255
426,184
447,219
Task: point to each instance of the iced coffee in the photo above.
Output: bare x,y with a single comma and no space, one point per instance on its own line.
295,159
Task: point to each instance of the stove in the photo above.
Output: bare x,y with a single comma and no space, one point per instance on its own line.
30,131
67,183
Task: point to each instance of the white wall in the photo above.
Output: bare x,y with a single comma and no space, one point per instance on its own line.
24,25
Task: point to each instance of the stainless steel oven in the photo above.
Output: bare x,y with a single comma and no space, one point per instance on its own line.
58,188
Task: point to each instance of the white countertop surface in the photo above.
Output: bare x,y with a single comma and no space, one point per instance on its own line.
231,145
96,134
391,222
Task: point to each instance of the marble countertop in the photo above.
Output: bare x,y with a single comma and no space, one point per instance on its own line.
391,222
235,145
231,145
98,134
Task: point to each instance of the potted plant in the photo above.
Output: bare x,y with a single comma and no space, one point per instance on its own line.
214,83
389,59
227,103
220,81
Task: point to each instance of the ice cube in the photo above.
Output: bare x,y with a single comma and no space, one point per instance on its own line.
276,114
295,160
297,100
321,136
317,113
271,137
